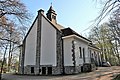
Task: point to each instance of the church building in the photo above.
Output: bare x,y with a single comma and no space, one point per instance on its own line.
51,49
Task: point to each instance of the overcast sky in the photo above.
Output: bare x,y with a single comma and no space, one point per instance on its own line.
76,14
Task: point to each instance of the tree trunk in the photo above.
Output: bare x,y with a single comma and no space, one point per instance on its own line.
3,62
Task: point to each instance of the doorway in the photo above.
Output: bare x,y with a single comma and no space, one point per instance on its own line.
32,69
49,70
44,70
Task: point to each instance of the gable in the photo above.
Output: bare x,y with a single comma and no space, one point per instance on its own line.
30,45
48,43
57,27
31,27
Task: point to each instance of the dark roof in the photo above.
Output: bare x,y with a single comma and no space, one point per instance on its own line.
69,31
93,45
51,8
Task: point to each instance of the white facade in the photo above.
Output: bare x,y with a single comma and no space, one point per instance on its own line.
30,46
48,44
83,44
78,42
67,51
44,48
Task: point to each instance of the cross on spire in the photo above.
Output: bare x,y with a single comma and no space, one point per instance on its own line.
51,3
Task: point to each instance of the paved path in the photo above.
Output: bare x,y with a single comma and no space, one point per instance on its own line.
103,73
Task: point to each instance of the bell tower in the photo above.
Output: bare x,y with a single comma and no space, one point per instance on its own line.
51,15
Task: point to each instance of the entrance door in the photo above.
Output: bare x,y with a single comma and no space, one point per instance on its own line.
49,70
44,70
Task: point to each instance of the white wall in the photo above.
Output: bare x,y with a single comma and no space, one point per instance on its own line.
30,46
82,44
48,44
67,51
95,53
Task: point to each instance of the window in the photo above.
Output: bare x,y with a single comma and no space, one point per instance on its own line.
90,54
54,17
83,50
39,70
84,55
80,52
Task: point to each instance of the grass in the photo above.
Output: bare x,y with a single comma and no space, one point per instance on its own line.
117,77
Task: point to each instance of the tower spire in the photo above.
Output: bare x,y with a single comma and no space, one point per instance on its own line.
51,15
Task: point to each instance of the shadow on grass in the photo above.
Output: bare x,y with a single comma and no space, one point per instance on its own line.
117,77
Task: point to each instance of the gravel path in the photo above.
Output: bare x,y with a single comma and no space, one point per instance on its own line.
103,73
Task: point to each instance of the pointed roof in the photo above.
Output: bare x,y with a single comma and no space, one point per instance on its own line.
51,10
69,31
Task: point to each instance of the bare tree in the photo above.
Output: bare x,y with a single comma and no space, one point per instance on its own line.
108,7
14,8
13,23
114,26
